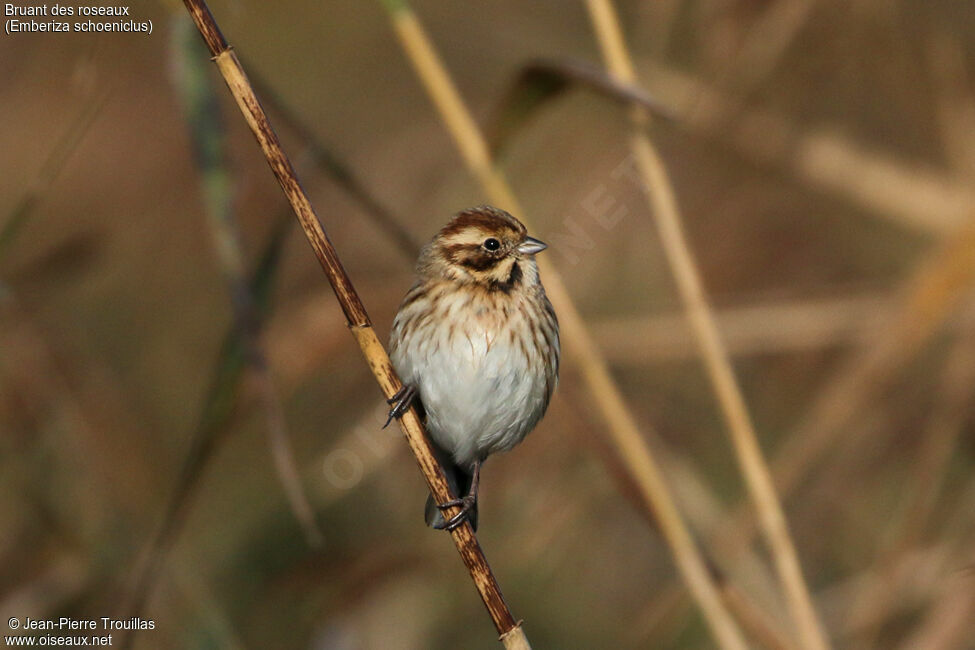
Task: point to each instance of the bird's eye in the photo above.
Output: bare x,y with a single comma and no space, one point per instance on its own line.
491,244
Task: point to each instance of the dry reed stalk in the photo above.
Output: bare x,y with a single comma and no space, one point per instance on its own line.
755,620
921,491
918,579
936,576
695,500
510,630
760,328
704,511
925,301
913,196
303,352
604,392
663,205
242,354
296,345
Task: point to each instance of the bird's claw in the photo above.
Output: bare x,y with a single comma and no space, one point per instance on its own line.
400,402
466,505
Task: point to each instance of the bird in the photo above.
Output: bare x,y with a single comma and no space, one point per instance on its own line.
476,344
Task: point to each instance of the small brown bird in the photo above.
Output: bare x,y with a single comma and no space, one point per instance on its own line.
476,343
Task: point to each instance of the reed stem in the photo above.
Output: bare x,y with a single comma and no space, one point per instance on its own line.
606,395
375,355
661,197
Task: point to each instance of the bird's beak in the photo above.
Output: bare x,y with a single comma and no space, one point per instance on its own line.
531,246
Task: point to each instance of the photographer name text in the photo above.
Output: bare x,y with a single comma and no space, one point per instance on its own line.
95,624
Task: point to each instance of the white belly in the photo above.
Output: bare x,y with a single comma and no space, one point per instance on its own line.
479,391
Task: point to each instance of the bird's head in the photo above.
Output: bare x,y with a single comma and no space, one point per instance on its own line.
484,246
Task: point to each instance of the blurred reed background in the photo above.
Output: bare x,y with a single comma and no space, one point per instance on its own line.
185,421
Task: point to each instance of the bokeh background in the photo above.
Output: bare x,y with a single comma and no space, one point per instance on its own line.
822,154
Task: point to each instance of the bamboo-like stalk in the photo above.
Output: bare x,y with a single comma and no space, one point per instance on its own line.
663,204
512,634
221,398
605,394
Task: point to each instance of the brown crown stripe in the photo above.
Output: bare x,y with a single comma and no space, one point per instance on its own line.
486,218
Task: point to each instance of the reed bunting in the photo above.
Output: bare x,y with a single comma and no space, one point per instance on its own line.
476,344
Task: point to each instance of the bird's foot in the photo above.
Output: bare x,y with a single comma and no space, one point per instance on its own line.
400,402
466,505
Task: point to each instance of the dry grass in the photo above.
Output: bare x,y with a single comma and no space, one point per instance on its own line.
580,348
820,157
358,321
